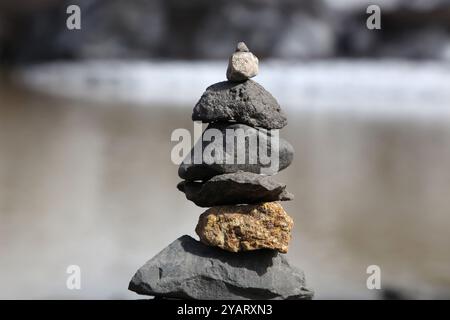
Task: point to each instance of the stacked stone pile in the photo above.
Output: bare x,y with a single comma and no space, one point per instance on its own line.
245,230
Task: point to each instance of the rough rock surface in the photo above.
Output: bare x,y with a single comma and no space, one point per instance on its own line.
244,102
242,64
188,269
234,188
246,227
213,164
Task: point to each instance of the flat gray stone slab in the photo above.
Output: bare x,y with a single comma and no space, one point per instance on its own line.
234,188
188,269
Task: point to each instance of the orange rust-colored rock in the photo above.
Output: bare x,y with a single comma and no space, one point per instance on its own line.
246,227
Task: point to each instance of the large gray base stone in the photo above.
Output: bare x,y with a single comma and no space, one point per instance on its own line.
188,269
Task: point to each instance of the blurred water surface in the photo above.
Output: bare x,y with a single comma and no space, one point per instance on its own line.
93,185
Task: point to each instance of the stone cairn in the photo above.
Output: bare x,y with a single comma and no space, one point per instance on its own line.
245,232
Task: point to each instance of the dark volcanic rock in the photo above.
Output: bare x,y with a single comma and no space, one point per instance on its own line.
246,102
188,269
211,164
234,188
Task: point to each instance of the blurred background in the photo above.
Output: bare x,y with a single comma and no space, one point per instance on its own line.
86,117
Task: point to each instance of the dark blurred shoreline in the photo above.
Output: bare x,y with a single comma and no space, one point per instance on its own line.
34,31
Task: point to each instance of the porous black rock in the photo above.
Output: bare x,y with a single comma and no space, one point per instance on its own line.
244,102
211,164
234,188
188,269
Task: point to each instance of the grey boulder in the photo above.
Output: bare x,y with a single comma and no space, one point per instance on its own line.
235,148
244,102
188,269
234,188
